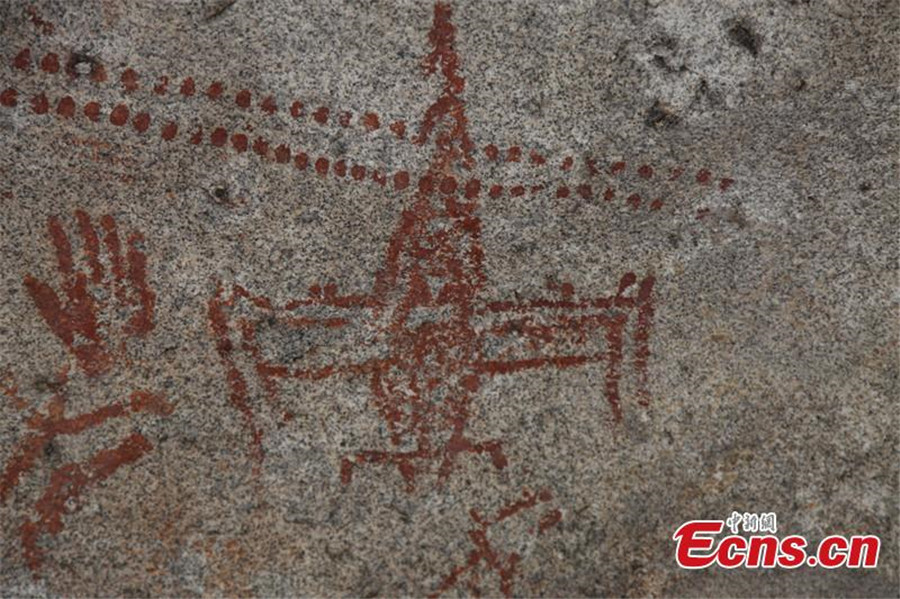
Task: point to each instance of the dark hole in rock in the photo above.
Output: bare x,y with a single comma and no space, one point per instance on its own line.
742,34
660,115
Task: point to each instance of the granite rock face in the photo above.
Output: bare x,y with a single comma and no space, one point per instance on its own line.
396,298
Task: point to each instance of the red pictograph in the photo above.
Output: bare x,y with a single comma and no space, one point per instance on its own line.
85,316
601,178
485,558
425,335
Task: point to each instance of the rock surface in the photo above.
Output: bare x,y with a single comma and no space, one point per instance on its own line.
395,298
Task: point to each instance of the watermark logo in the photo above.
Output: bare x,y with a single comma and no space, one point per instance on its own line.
751,541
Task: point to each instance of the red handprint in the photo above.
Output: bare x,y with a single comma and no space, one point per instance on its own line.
88,294
87,321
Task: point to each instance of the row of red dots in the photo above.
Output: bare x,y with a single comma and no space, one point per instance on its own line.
243,98
370,121
644,171
120,115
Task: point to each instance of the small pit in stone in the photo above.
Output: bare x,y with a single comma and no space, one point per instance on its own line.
742,34
660,115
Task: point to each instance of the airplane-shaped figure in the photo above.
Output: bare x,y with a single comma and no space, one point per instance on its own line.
424,336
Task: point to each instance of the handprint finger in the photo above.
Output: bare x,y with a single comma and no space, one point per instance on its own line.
114,248
82,311
91,245
63,250
141,322
50,308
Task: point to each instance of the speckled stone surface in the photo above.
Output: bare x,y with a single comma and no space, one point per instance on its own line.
262,333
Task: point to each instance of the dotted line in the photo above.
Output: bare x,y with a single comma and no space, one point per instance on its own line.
78,65
120,115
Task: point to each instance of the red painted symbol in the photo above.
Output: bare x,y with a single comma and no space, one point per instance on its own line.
425,336
485,558
83,314
92,296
